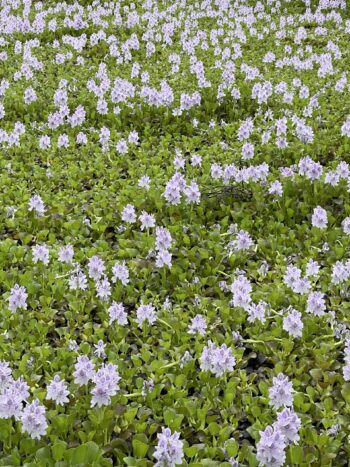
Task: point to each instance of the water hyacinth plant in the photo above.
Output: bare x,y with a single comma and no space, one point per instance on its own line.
174,233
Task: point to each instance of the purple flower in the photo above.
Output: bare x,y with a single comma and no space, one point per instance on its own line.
33,420
144,182
120,272
122,148
145,313
217,360
172,192
247,151
5,375
196,160
20,388
81,138
198,325
65,254
256,312
288,424
40,253
340,272
163,258
243,241
78,280
241,289
294,280
57,391
18,298
29,96
346,225
96,267
147,386
169,450
270,448
312,268
36,204
312,170
319,218
346,372
345,129
192,193
301,286
133,137
11,404
245,129
106,385
103,289
280,394
129,214
100,349
316,304
163,238
84,370
332,178
117,313
147,220
293,324
63,141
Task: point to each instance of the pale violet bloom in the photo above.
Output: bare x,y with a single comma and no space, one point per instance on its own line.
163,258
271,448
120,272
217,360
33,419
312,268
106,385
288,423
36,204
57,391
103,289
65,254
84,370
316,304
319,218
5,375
145,313
169,450
117,313
346,225
18,298
100,349
147,220
96,267
281,392
256,312
293,324
77,280
129,214
40,253
144,182
198,325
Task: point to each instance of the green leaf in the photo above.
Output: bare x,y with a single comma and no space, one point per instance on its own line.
296,454
85,454
139,448
130,414
213,428
58,450
346,392
231,448
43,453
130,461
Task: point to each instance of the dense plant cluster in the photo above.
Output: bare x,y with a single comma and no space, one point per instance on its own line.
174,233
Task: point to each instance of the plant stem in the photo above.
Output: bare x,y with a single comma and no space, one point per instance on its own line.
169,365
